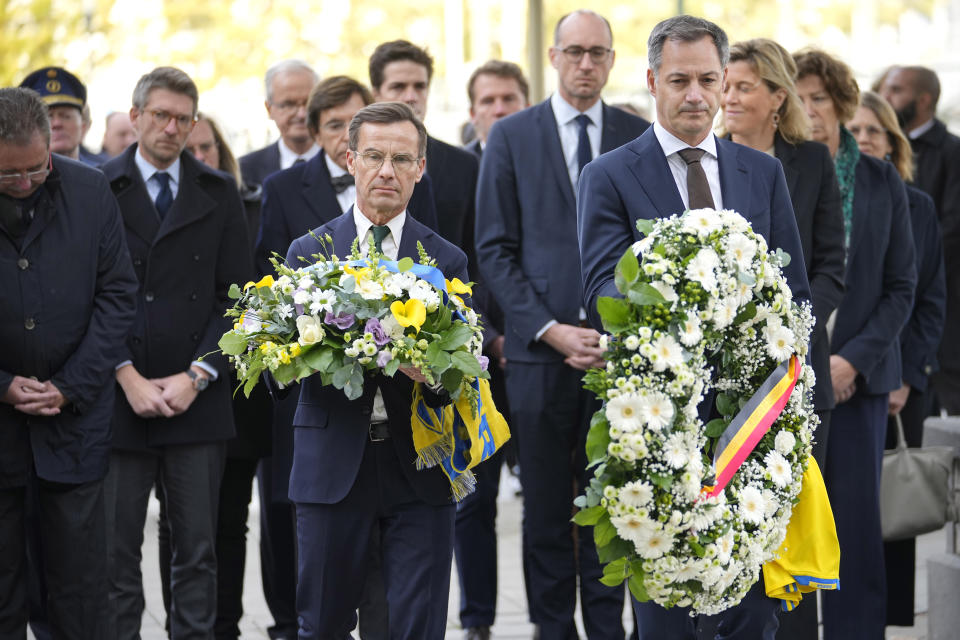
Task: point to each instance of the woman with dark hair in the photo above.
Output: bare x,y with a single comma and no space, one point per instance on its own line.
864,331
761,110
878,134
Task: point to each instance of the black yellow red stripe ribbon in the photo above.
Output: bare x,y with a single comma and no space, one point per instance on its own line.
752,422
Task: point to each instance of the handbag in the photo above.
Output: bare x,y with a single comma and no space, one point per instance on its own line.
915,489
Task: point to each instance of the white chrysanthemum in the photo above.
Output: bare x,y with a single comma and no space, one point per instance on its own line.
306,282
690,332
625,412
778,468
301,297
654,545
285,311
753,506
632,527
703,222
779,341
667,351
393,286
636,493
656,410
675,451
641,246
742,249
322,301
665,290
701,269
784,442
725,311
631,342
369,289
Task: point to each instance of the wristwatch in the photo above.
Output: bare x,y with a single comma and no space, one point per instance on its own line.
199,382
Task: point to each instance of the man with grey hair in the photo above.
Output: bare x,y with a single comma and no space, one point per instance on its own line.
187,235
353,467
69,300
679,164
526,235
287,84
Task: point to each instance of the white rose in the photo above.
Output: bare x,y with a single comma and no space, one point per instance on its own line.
310,330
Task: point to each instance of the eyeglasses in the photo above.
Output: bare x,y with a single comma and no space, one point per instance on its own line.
162,118
37,176
598,55
402,162
289,106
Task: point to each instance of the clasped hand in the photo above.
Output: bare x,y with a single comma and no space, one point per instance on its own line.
157,397
34,397
580,345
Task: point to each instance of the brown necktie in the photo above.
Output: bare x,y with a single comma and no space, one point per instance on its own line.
698,189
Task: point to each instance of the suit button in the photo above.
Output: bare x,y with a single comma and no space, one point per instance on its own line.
195,337
148,296
193,296
23,263
29,324
137,262
196,257
135,340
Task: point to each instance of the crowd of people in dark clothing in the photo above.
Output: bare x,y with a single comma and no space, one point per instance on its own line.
116,267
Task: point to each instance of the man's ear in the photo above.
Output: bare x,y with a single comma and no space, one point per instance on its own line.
351,163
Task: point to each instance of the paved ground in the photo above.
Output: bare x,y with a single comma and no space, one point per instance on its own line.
512,623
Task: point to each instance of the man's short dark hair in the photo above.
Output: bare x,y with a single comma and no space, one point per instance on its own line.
556,29
395,51
330,93
925,80
22,115
387,113
685,29
169,78
501,69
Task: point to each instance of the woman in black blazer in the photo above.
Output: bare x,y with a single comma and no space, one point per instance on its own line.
761,110
878,134
865,362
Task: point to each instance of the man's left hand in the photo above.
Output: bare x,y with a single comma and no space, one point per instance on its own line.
46,403
843,377
178,391
414,374
898,398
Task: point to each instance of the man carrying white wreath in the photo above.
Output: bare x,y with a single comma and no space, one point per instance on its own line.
678,164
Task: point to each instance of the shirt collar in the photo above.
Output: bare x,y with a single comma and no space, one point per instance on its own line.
288,156
913,134
147,169
363,225
334,169
672,144
565,112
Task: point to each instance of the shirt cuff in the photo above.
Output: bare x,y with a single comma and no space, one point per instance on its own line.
543,330
206,367
122,365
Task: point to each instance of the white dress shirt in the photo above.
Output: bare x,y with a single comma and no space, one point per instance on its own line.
391,249
672,144
349,195
288,156
569,131
913,134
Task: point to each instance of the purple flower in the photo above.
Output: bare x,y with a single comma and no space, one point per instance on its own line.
379,335
383,358
484,362
340,321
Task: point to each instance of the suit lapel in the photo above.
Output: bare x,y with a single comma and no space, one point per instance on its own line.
192,202
862,206
654,175
139,214
734,178
412,232
554,152
318,192
344,233
786,153
43,212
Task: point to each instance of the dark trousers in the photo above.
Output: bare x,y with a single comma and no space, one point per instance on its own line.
278,555
755,618
900,556
551,411
416,552
190,475
73,548
476,547
802,623
236,488
858,609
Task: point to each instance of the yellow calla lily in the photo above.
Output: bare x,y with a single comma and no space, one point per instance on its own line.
411,314
248,285
358,274
456,286
265,281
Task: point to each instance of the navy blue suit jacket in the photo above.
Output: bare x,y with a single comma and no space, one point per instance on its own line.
635,182
257,165
527,224
881,276
301,198
330,431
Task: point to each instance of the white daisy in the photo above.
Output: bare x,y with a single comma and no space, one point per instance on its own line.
370,289
322,301
778,468
655,545
690,332
656,410
702,222
636,493
632,527
753,506
779,341
625,412
701,269
741,249
667,351
665,290
675,452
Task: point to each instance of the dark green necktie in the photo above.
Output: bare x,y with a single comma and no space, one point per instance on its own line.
379,233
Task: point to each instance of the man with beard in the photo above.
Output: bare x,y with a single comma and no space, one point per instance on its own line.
913,92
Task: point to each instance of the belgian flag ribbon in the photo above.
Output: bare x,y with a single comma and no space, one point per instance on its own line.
752,422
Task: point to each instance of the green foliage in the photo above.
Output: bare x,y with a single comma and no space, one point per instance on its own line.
598,438
232,344
615,313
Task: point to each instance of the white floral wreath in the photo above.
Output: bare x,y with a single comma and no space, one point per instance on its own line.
706,308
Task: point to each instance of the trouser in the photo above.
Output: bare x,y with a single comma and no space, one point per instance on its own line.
552,412
190,475
72,531
755,618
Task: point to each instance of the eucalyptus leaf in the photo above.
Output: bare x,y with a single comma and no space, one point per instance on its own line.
391,367
342,375
644,226
318,359
404,264
234,293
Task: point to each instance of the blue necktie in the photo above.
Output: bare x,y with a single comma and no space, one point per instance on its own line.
584,154
165,197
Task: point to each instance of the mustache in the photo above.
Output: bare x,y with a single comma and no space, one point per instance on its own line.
700,106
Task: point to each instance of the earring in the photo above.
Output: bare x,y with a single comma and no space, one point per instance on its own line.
776,119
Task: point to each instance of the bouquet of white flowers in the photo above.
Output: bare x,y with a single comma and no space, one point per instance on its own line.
688,512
